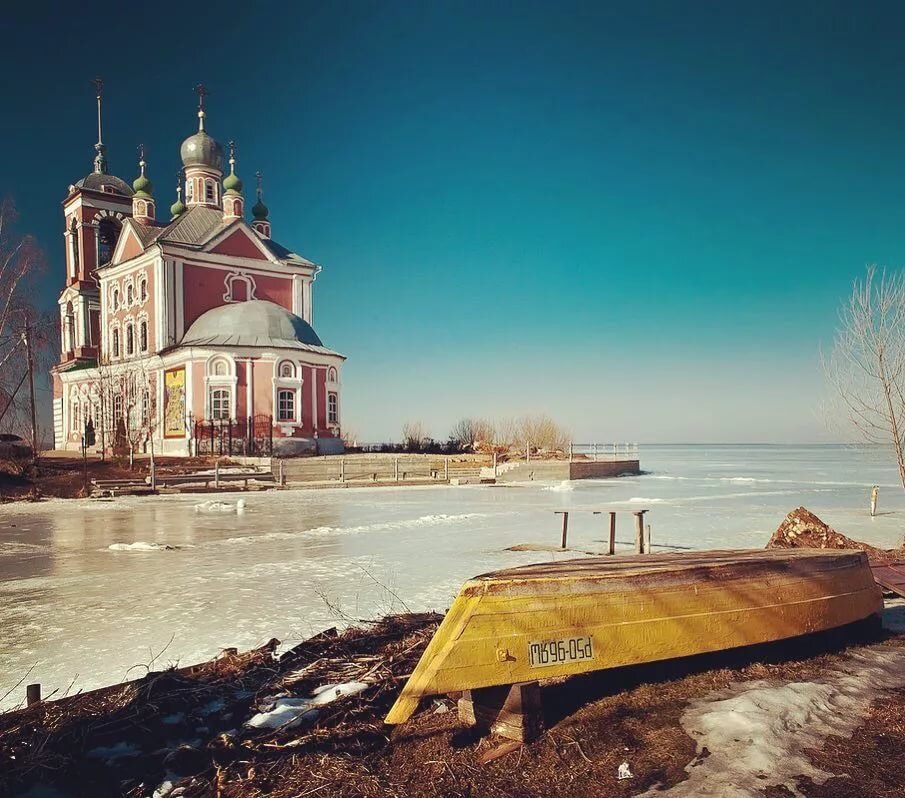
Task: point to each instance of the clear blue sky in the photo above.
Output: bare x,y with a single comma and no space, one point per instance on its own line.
640,218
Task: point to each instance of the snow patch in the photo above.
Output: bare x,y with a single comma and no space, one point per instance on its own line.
220,507
563,487
287,713
141,545
757,733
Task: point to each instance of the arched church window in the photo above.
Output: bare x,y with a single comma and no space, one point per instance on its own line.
143,289
189,190
130,340
117,407
130,294
115,299
332,409
209,195
69,343
143,336
74,246
107,235
114,342
287,370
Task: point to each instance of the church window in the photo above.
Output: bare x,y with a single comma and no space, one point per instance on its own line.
287,370
74,245
74,426
286,405
189,192
209,195
115,342
220,369
143,289
130,339
69,343
107,235
117,407
143,335
220,403
332,409
130,294
116,299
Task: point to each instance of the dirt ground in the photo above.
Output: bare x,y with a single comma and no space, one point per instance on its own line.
593,723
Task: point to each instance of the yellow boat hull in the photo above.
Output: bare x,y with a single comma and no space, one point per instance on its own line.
564,618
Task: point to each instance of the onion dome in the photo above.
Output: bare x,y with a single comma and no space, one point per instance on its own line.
142,185
200,149
259,211
231,182
178,207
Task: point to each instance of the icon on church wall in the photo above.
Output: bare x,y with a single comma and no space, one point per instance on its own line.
174,403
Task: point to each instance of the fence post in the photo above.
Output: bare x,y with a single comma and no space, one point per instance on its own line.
595,452
647,539
639,531
216,473
494,466
527,452
570,451
282,480
612,546
342,469
32,694
396,468
565,525
446,469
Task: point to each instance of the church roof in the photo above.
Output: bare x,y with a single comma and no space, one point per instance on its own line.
194,227
97,181
257,323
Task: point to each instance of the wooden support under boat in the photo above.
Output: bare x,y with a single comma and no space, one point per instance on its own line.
563,618
512,711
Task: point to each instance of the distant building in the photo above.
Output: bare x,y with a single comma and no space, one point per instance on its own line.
191,334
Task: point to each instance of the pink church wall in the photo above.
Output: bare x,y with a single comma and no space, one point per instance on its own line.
263,387
137,311
203,289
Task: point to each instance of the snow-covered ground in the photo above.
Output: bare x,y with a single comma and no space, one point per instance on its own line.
92,592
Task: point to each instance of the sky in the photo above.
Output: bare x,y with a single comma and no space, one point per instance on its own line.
639,218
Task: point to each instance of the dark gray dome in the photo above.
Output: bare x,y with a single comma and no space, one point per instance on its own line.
200,149
109,184
257,322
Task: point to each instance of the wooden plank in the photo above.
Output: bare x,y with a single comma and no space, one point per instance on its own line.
511,711
891,577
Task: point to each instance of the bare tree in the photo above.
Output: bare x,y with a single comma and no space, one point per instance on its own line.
541,433
414,435
468,433
21,264
866,367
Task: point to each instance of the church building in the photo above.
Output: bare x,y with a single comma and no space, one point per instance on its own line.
190,334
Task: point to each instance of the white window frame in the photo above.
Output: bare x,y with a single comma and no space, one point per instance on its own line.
294,384
291,395
334,411
226,381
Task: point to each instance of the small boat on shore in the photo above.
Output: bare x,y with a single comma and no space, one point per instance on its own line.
564,618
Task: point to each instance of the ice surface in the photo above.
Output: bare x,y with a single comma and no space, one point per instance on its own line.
90,589
757,733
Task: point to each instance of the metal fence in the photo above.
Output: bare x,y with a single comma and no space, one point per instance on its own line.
252,435
606,452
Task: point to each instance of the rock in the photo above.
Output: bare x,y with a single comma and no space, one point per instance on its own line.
801,529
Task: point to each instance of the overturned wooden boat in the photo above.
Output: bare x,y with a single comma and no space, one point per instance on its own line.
574,616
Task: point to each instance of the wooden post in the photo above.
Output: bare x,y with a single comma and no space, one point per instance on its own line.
647,539
639,531
596,457
32,694
282,478
494,465
565,525
396,468
342,469
216,473
612,546
527,452
570,451
446,468
511,711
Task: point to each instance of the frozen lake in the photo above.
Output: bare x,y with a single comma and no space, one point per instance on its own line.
87,590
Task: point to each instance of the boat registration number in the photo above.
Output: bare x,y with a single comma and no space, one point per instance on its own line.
543,653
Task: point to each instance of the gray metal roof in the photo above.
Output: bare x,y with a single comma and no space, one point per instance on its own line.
258,323
194,227
285,254
96,182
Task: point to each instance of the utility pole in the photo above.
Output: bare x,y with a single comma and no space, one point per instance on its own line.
26,339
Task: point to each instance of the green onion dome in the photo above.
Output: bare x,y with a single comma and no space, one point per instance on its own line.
177,208
232,183
142,186
259,211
